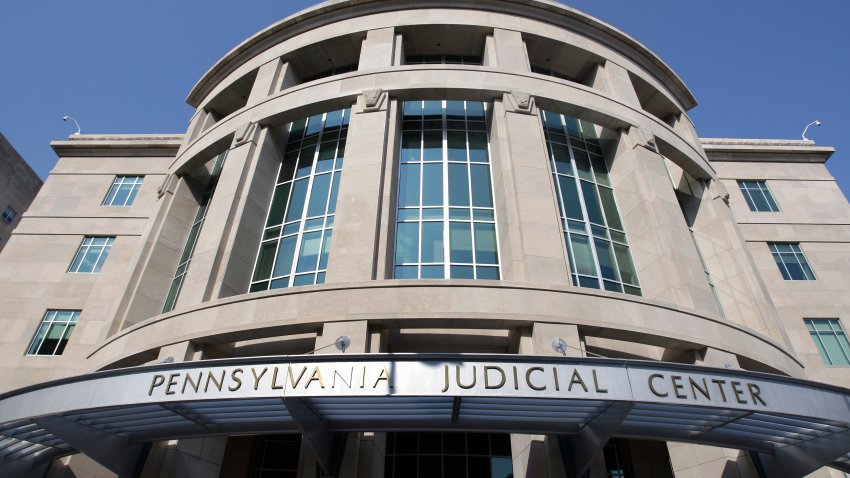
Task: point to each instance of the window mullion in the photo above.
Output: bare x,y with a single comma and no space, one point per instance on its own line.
303,220
444,161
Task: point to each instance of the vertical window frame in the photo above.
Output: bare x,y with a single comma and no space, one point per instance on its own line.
751,189
328,217
800,258
591,148
48,321
86,246
446,208
836,330
192,239
134,182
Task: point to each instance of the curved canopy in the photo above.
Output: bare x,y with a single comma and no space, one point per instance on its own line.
793,426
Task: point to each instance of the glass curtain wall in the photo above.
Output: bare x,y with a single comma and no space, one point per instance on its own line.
446,222
596,242
194,232
299,227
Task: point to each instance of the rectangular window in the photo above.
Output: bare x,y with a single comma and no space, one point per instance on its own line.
758,197
445,221
448,455
52,335
791,261
830,340
9,215
597,248
297,237
194,233
123,191
91,255
442,60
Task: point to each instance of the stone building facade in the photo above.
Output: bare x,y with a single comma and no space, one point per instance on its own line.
496,216
18,186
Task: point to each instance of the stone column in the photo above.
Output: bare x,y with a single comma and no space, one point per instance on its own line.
700,461
530,235
614,80
378,49
357,226
188,456
358,333
248,215
739,286
160,252
667,262
272,77
215,241
539,455
507,51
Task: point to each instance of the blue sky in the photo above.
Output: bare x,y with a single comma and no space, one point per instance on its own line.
759,68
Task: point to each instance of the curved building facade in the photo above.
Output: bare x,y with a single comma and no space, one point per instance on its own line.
430,239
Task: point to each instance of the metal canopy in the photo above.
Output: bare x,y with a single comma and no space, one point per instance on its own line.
794,426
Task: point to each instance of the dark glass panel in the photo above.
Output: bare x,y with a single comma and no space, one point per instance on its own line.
408,185
482,195
265,261
407,243
432,184
460,242
458,185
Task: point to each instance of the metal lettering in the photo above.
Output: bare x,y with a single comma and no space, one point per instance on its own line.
218,383
736,387
236,379
702,390
576,379
316,376
555,374
677,386
385,375
172,382
487,377
596,383
292,380
258,377
528,378
755,394
719,384
652,385
195,385
446,376
342,379
457,378
157,381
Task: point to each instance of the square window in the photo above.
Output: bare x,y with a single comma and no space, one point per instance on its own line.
91,255
831,341
9,215
52,335
758,196
123,191
791,261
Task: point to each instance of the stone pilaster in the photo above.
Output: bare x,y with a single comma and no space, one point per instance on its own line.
216,237
359,201
667,263
539,455
508,50
378,49
699,461
614,80
530,234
